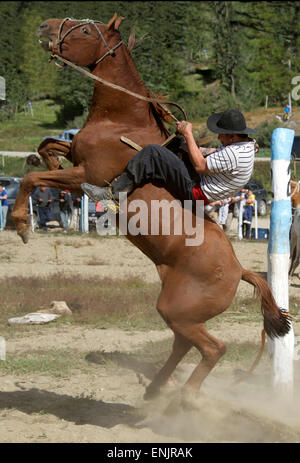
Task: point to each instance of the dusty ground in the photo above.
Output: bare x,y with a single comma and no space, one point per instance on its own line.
104,403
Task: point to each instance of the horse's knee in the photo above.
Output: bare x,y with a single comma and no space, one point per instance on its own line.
29,182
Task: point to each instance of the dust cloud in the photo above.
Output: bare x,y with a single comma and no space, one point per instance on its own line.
248,412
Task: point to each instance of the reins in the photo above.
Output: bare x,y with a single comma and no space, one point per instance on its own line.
110,51
121,89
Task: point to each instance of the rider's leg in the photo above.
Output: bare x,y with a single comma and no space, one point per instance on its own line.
152,163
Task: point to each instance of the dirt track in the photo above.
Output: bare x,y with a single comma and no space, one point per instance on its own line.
104,402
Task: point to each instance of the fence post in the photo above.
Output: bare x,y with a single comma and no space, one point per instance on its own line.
255,219
281,349
240,221
81,215
31,214
1,218
86,212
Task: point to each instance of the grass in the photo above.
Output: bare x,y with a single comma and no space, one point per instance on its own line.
53,362
97,302
103,302
24,132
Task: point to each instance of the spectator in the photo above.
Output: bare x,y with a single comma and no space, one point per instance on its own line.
287,111
43,198
248,213
65,208
76,212
4,206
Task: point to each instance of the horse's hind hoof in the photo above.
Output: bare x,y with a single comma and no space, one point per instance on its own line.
151,393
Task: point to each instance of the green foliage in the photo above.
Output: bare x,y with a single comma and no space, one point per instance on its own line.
77,122
40,77
251,51
264,133
6,111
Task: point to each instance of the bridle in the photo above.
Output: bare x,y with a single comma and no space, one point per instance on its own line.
60,38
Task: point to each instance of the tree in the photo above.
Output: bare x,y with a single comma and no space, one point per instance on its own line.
40,76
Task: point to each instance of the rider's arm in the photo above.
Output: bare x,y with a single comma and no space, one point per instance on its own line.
196,154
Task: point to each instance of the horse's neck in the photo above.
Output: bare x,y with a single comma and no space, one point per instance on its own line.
119,70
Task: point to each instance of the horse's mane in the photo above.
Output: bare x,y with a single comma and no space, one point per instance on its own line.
159,113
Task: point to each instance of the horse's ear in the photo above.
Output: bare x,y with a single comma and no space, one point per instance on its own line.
112,21
131,40
115,22
118,22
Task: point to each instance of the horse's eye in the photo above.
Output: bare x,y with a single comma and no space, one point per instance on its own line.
84,30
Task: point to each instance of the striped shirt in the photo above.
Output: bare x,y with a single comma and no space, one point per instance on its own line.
231,168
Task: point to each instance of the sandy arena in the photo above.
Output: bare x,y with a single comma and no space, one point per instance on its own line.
104,403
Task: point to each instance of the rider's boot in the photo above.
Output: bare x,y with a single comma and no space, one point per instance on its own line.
124,184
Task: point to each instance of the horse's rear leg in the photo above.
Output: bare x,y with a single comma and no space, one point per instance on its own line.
181,346
190,335
211,349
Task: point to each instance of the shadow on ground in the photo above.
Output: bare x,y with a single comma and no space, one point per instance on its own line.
77,410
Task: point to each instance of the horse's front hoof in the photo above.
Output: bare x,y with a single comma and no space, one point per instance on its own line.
24,236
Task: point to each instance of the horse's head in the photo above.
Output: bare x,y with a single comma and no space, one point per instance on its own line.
84,42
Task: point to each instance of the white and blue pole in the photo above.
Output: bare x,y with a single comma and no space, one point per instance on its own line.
281,349
85,213
81,216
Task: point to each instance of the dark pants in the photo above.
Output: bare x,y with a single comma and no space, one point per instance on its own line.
247,219
248,213
156,163
44,214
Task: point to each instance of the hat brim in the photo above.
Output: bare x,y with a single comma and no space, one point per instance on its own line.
212,125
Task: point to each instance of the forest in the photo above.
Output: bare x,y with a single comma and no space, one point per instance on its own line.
206,56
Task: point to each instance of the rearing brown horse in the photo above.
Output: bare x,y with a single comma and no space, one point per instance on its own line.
198,282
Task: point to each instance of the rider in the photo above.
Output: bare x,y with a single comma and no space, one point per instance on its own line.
216,173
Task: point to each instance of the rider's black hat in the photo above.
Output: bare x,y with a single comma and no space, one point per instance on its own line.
229,121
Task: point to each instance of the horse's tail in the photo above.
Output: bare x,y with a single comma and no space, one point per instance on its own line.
276,322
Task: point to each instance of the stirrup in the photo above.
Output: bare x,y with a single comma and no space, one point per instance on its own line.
114,207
